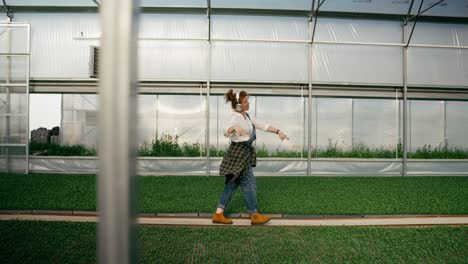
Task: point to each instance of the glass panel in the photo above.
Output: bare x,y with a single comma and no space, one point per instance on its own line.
288,115
363,64
220,112
429,66
375,132
14,39
333,126
79,120
353,30
259,61
457,124
13,159
18,100
13,69
45,111
147,116
426,124
180,126
259,27
168,60
13,129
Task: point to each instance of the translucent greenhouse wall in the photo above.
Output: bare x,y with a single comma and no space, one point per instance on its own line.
272,49
14,97
172,47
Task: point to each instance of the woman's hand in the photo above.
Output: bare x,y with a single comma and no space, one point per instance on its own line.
282,135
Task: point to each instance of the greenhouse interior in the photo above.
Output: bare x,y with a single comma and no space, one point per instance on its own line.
361,87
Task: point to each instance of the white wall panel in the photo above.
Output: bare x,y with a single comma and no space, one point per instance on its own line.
178,26
259,27
55,50
439,34
176,60
263,4
259,61
355,30
429,66
357,64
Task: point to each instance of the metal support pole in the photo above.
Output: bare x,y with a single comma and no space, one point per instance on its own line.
157,117
414,24
352,123
445,126
309,121
117,132
397,123
303,130
8,101
28,65
405,102
208,88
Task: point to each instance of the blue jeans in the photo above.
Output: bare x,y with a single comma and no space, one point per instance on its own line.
249,189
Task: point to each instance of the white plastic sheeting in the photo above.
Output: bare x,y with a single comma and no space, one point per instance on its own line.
14,69
90,3
55,51
61,49
259,27
437,167
430,66
439,34
265,167
14,40
172,60
15,162
197,166
243,61
18,132
336,63
263,4
455,8
355,30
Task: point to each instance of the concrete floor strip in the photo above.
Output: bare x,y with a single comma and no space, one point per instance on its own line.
198,221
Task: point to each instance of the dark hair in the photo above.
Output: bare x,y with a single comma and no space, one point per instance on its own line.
230,96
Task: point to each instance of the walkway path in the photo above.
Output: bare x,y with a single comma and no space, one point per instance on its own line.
204,219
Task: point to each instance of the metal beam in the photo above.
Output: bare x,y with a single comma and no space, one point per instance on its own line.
414,24
117,135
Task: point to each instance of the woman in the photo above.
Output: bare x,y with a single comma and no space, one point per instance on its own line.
240,158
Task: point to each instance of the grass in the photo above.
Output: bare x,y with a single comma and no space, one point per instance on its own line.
60,242
285,195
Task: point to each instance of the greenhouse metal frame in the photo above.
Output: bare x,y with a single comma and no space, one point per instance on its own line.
307,89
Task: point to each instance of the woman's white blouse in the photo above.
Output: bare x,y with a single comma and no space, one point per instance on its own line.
238,120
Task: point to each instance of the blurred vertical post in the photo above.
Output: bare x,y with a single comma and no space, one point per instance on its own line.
117,127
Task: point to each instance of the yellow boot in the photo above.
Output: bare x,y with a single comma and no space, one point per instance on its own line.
258,219
220,219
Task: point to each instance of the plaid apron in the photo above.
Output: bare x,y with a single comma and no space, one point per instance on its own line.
239,157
